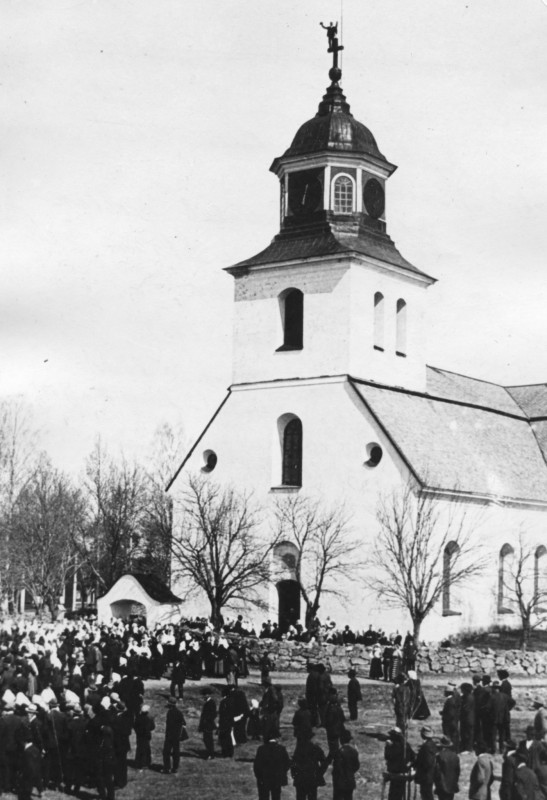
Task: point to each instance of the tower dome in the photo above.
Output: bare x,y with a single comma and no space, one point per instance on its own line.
334,128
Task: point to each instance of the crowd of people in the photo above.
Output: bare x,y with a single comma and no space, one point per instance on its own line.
475,718
73,694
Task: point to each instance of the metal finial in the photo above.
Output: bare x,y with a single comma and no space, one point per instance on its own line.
335,73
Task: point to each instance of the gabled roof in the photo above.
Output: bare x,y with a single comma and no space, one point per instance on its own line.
155,588
463,435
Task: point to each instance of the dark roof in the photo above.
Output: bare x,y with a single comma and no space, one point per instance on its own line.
155,588
333,128
450,444
461,388
328,243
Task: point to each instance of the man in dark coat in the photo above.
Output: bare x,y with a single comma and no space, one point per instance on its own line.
226,723
399,757
207,724
241,712
308,767
302,721
270,767
345,763
171,744
30,774
508,769
425,764
499,715
447,771
122,725
526,785
12,724
479,697
334,722
312,692
450,716
485,713
354,694
77,763
144,725
531,748
467,718
401,697
325,685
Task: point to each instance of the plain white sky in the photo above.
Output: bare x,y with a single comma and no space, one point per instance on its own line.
135,142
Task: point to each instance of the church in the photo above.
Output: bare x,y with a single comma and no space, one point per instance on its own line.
332,398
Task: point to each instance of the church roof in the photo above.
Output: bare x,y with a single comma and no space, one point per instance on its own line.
328,243
532,399
466,436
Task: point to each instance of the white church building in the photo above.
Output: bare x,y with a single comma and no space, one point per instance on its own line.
331,395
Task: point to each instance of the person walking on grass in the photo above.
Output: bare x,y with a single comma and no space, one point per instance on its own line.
174,722
270,766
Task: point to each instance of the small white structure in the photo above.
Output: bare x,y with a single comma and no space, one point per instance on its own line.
142,595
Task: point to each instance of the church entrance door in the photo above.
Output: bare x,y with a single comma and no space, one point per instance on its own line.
289,604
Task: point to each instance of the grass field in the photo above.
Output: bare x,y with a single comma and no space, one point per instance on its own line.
225,779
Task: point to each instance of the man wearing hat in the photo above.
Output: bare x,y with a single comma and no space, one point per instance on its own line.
174,721
270,766
334,721
345,764
399,757
531,747
308,767
207,724
77,751
526,785
508,770
450,716
122,725
144,725
425,764
467,718
447,771
354,694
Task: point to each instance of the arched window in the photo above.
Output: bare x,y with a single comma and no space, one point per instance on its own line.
292,453
540,578
504,579
343,195
378,321
400,345
449,554
291,305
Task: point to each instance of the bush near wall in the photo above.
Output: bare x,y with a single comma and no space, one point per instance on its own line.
294,657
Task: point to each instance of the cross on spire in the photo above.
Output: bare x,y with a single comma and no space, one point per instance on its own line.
335,73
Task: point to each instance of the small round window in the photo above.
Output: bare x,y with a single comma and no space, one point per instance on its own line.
209,461
374,455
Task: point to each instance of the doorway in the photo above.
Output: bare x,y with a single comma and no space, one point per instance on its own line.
289,604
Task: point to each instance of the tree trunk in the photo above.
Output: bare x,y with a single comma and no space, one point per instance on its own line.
417,624
526,634
216,615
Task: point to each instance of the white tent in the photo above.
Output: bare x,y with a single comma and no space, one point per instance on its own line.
140,594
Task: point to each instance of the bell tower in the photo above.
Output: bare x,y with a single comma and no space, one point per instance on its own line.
331,294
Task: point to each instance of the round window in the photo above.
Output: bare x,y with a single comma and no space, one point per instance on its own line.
209,460
374,455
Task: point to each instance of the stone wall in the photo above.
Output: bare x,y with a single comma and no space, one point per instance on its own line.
294,656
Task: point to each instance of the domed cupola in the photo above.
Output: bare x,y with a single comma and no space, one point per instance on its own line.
334,128
332,186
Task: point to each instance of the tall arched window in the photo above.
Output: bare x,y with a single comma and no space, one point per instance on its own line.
400,345
504,579
379,321
449,554
540,578
292,453
291,306
343,195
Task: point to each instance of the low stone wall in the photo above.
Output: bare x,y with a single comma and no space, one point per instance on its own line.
294,656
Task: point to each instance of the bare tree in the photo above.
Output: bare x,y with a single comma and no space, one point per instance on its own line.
42,524
18,457
423,549
218,549
327,553
111,540
522,586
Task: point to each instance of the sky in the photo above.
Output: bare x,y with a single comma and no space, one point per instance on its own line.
135,145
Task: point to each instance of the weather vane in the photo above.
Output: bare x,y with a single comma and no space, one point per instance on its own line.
335,73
